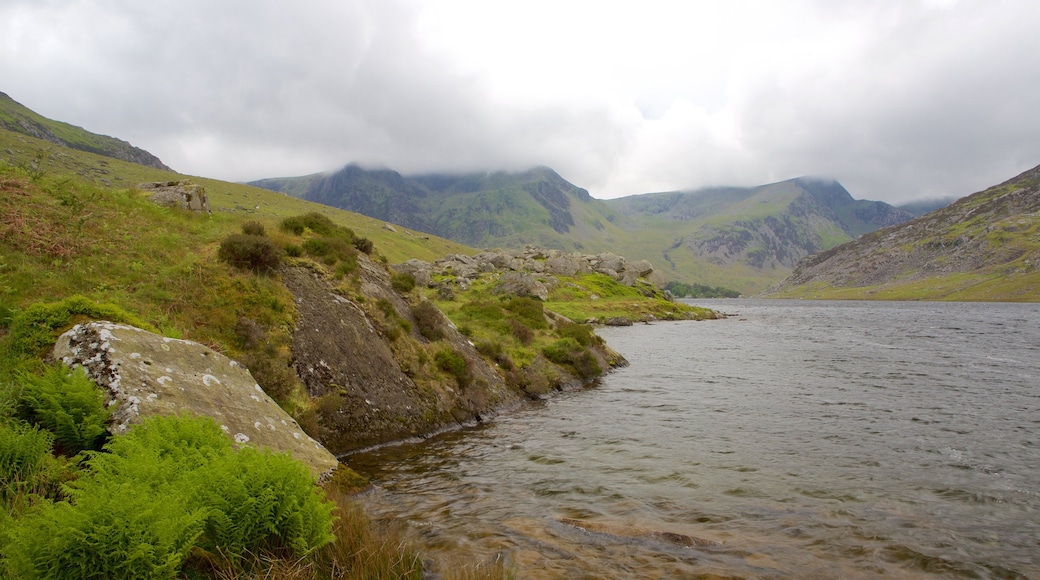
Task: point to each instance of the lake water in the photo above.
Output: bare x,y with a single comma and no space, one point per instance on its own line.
794,439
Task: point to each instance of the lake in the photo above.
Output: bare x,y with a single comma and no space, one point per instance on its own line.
793,439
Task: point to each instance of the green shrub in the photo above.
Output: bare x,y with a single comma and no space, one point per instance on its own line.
253,228
580,333
346,268
364,245
402,282
316,222
68,404
330,247
429,320
528,310
255,253
454,364
568,352
495,351
293,251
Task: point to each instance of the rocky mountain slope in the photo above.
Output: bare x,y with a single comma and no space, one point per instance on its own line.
744,238
983,247
16,117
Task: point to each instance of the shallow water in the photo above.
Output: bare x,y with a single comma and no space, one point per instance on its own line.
809,439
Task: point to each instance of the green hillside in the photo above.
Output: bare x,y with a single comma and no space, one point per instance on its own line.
983,247
19,119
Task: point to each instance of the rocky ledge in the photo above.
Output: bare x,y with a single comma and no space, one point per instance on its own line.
520,270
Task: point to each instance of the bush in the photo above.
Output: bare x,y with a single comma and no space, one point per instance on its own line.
454,364
316,222
568,352
68,404
528,310
253,228
580,333
364,245
521,332
293,251
403,282
255,253
429,320
329,247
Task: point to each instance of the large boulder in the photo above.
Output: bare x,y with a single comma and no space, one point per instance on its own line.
522,284
182,194
145,374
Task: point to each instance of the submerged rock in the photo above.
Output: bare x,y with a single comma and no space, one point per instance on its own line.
145,374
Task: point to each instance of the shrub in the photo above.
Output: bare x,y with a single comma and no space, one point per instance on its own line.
402,282
454,364
521,332
568,352
580,333
429,320
495,351
330,247
293,251
253,228
316,222
255,253
68,404
364,245
529,310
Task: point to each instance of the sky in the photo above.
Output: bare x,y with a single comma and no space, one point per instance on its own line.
896,99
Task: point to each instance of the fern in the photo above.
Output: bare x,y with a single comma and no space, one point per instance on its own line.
68,404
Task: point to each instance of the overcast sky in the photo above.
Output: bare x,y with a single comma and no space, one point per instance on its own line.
897,99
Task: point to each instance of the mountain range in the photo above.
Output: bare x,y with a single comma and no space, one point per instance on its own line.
744,238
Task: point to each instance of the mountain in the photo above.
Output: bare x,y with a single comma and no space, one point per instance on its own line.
17,118
741,238
983,247
919,208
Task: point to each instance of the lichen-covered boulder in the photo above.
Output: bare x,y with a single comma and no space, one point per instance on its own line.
183,194
146,374
521,284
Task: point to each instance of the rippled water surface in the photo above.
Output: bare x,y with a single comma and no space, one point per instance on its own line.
795,439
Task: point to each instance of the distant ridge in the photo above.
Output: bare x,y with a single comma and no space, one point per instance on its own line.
17,118
740,238
985,246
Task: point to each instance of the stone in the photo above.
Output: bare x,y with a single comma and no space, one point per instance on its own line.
144,374
562,266
641,268
181,194
522,284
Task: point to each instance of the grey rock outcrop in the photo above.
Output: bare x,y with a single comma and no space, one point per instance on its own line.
526,272
145,374
181,194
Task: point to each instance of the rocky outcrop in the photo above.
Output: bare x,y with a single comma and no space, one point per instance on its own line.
372,382
529,272
181,194
145,374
